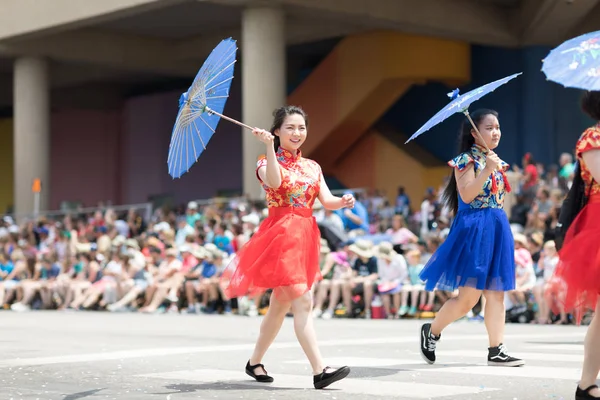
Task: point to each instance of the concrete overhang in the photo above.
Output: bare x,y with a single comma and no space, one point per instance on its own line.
172,37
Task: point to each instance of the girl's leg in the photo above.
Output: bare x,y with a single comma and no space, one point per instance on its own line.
495,314
454,309
495,317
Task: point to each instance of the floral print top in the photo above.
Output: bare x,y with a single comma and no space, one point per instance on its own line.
493,192
301,181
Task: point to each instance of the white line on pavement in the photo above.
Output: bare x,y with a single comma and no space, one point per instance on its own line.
371,387
171,351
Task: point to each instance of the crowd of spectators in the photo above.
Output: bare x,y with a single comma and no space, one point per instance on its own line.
371,255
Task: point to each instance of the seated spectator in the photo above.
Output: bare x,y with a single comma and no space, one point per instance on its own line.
325,267
420,299
198,281
547,263
363,281
46,272
81,276
6,269
392,271
401,235
524,273
221,239
110,275
218,285
356,220
136,281
168,277
338,267
12,285
213,268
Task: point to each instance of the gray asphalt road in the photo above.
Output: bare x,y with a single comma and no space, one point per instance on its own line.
81,355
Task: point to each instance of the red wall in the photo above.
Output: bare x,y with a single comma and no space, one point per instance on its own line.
121,156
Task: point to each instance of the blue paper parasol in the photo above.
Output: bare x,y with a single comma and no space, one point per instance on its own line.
575,63
200,109
461,103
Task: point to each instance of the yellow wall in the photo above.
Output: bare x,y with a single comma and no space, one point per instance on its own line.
362,77
6,164
395,167
376,163
358,164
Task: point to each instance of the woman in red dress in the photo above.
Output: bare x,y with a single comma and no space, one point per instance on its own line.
283,254
579,266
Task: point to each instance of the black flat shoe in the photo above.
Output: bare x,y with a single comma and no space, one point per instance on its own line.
581,394
325,379
259,378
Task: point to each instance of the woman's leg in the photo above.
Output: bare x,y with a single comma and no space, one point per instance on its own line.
305,331
307,337
591,355
543,312
269,329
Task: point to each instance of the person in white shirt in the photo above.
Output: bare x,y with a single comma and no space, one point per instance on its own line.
392,270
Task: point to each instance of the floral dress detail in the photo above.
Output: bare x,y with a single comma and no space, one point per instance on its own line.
284,253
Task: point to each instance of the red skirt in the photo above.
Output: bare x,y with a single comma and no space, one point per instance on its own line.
282,255
578,272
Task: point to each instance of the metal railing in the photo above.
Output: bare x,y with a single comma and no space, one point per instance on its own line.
148,208
213,200
52,214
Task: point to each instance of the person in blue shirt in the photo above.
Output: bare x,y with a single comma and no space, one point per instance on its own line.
220,239
6,267
356,218
49,272
402,203
43,282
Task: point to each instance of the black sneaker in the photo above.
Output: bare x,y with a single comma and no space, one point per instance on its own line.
498,357
428,343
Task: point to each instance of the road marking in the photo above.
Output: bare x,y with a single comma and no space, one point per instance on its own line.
525,356
171,351
366,362
413,365
559,347
350,385
527,371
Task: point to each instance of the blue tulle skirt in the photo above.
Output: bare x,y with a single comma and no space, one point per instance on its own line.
478,253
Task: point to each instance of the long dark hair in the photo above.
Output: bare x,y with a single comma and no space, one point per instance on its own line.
279,116
465,142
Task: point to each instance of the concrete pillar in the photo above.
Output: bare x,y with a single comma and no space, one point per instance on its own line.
263,82
31,133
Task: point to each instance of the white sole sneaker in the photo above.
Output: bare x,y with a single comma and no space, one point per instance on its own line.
515,363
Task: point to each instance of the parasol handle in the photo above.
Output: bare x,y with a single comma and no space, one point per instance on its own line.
210,111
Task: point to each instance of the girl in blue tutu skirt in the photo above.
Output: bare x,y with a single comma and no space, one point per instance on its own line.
478,254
